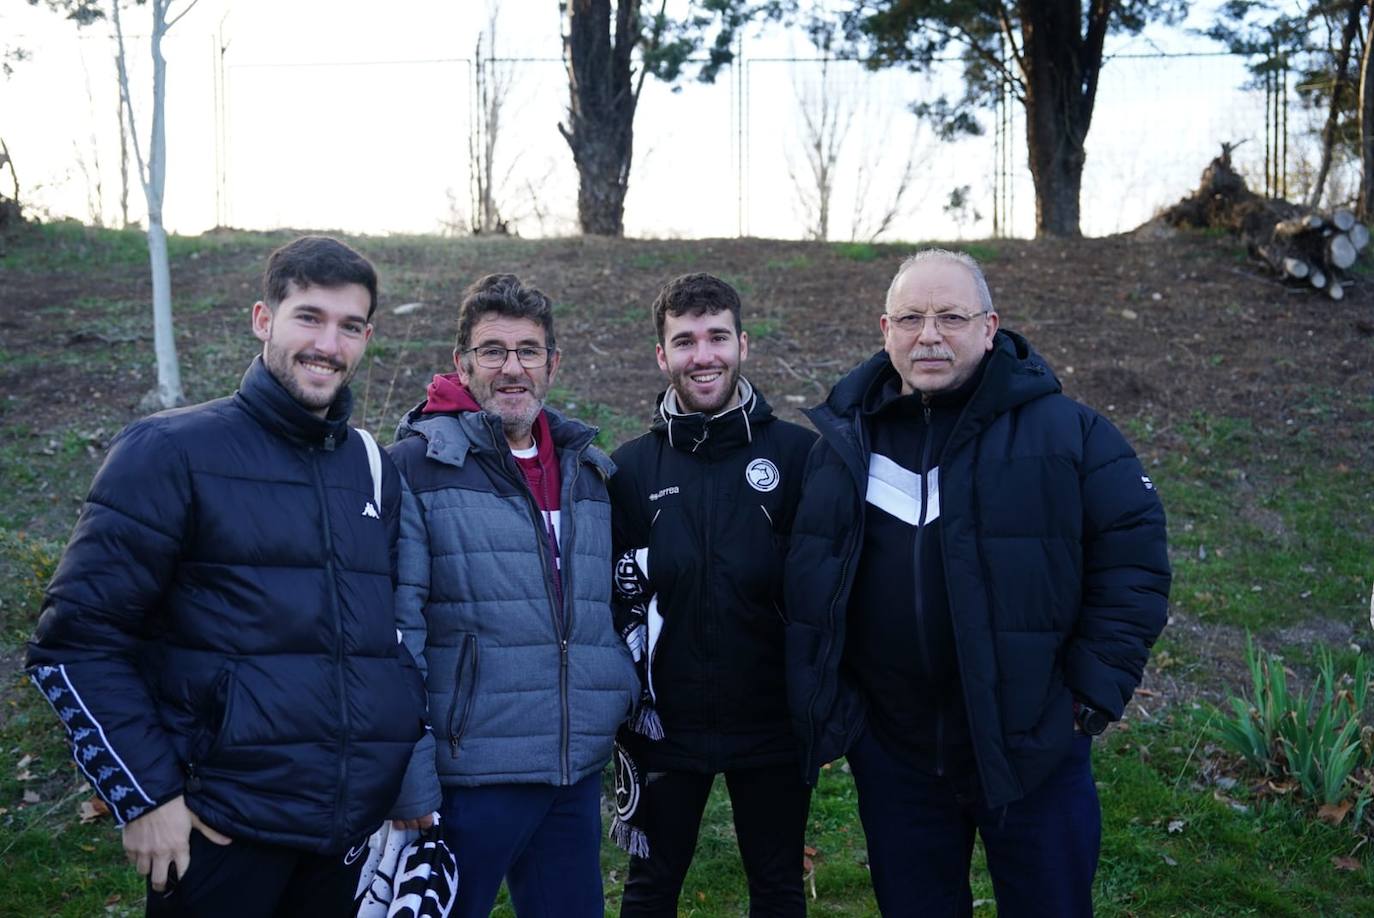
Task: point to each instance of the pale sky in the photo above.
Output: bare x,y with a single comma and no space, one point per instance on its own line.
335,115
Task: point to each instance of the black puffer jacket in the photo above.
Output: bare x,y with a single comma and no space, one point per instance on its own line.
221,624
1055,562
712,500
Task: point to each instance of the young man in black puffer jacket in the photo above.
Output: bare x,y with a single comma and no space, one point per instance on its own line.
701,510
220,637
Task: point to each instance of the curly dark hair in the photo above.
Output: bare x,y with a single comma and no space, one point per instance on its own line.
695,294
316,261
502,295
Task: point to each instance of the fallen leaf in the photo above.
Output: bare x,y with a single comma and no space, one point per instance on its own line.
23,763
24,775
701,896
113,898
1333,814
32,797
1168,860
1176,826
1146,693
1345,863
91,810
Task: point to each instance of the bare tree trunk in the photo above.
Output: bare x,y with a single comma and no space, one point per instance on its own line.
826,116
7,160
11,211
1364,207
1061,63
493,85
123,159
603,96
1352,26
154,178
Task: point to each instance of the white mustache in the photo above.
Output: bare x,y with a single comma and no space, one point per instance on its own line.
931,353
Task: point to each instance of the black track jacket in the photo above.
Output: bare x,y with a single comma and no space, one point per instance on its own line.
712,499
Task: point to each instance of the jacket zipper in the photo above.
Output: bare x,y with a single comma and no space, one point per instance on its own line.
455,733
921,641
565,576
338,641
707,623
560,619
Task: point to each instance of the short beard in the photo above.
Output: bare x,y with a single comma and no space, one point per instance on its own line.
518,426
680,387
279,363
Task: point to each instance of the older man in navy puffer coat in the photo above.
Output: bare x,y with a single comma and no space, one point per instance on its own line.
977,572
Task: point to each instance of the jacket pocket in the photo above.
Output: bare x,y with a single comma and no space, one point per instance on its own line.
215,717
460,709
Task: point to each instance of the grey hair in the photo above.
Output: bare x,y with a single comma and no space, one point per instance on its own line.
961,258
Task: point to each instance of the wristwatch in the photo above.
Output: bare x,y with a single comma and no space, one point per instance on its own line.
1090,720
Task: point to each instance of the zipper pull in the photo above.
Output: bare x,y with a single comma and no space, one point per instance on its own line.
329,443
563,651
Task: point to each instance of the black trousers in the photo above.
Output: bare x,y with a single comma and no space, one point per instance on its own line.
770,806
247,880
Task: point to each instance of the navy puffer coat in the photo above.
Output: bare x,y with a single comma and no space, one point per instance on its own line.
1055,562
222,624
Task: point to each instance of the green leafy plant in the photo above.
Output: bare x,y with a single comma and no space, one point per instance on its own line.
1313,738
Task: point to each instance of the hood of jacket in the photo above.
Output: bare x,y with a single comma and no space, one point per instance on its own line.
454,425
710,435
1013,373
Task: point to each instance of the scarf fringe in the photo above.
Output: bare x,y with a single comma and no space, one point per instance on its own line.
629,839
646,722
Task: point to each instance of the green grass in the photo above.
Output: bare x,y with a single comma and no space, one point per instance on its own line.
1265,534
71,247
790,263
983,252
856,251
1232,854
763,327
614,428
1288,509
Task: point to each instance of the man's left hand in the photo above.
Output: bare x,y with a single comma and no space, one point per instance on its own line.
423,822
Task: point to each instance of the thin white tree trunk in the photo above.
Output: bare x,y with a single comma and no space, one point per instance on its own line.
153,177
164,336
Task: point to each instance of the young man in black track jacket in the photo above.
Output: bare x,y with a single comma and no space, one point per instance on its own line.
701,511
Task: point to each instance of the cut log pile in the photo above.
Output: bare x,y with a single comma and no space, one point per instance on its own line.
1298,244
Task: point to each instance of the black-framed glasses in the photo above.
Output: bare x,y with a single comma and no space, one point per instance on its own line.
493,356
946,323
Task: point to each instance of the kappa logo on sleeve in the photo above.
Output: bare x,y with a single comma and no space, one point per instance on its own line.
370,511
1145,480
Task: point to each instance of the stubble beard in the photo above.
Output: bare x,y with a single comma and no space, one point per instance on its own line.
280,364
516,425
681,383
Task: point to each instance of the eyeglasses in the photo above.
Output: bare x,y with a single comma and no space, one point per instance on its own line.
946,323
493,356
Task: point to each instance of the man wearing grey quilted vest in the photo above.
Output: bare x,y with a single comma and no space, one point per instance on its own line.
504,600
